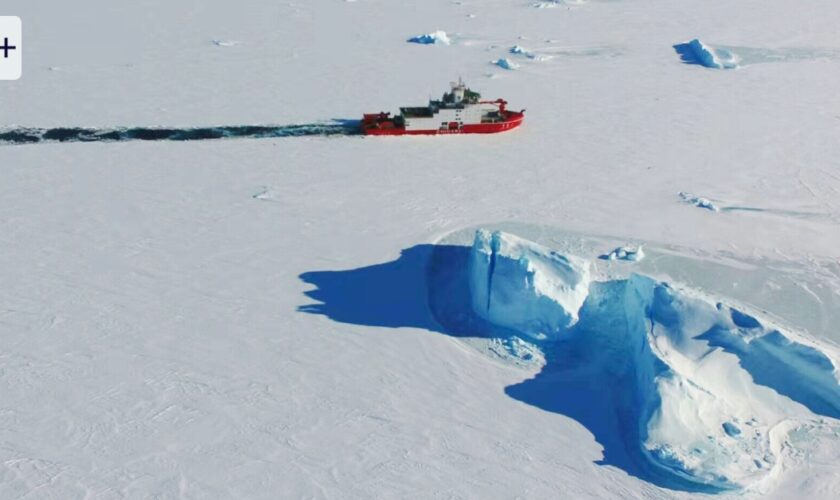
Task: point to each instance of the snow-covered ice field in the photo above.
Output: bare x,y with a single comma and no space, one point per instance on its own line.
291,314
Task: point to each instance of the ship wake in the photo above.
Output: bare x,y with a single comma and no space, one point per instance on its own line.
24,135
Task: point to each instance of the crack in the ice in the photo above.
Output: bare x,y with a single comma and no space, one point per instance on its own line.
494,251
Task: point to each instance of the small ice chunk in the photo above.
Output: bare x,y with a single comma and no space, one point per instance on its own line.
518,351
435,38
699,201
226,43
715,58
706,203
550,4
626,253
506,64
522,51
731,429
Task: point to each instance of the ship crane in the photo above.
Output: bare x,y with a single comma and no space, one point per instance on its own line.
499,102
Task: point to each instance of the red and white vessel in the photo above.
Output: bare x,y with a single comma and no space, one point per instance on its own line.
460,111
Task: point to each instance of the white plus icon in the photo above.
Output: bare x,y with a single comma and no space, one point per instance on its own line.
11,42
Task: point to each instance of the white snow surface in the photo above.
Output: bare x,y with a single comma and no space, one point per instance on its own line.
156,336
520,285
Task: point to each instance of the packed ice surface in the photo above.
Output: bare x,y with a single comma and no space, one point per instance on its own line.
700,387
520,285
698,52
434,38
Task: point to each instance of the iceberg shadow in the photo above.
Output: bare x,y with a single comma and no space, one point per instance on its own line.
392,294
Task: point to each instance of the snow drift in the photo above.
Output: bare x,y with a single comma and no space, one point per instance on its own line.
695,391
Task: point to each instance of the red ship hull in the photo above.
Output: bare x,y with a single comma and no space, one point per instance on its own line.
381,124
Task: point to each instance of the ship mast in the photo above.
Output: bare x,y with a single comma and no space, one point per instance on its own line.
458,90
